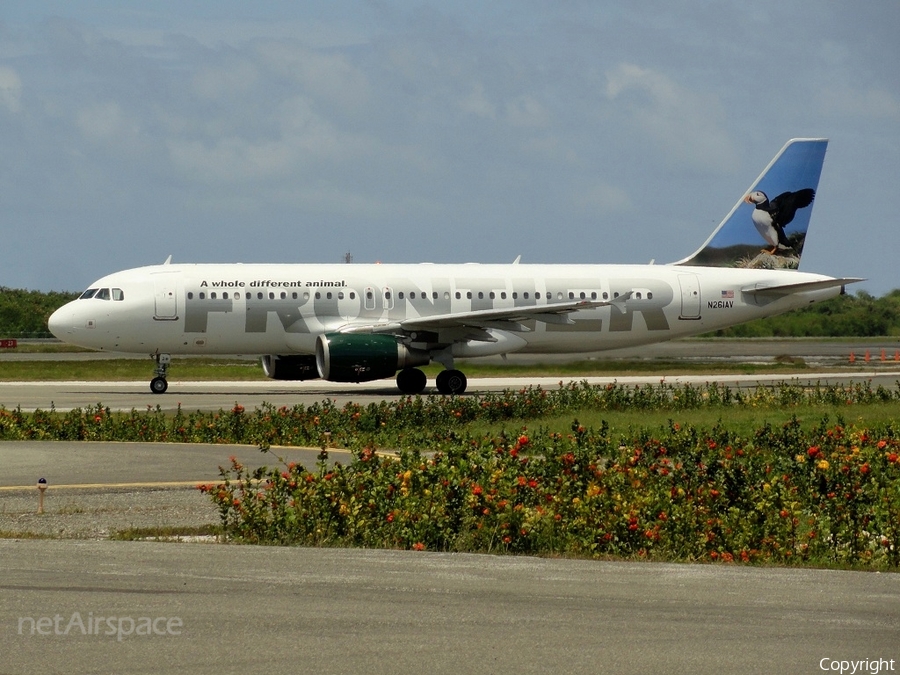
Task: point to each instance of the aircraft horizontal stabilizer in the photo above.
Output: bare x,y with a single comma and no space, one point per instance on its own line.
788,289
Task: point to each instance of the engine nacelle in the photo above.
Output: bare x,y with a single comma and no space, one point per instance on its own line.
362,358
290,367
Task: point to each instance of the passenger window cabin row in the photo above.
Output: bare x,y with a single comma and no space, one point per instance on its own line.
469,295
117,294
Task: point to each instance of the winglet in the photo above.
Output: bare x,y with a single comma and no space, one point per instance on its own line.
743,237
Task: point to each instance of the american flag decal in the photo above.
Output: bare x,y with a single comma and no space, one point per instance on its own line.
727,294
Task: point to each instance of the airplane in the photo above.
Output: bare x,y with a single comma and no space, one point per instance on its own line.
365,322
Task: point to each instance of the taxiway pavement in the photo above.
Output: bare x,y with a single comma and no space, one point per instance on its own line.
125,396
280,610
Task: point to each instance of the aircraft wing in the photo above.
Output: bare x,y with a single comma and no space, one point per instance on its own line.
788,289
504,319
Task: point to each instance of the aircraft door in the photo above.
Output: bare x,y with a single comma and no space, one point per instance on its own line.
165,288
370,297
690,296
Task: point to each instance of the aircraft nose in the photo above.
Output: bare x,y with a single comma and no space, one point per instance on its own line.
61,322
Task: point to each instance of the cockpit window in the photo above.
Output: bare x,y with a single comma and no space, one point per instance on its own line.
89,293
117,294
102,294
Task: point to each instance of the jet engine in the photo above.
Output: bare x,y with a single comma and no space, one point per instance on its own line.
290,367
361,358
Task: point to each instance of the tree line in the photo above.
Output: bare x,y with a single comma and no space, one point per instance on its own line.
858,315
24,314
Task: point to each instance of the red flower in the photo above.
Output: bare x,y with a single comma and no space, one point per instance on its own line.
477,490
418,546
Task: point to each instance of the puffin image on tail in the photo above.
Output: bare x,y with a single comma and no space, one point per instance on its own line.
771,217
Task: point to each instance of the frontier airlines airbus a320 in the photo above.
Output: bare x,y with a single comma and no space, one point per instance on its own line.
358,323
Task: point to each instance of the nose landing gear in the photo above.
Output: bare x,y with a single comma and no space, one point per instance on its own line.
159,384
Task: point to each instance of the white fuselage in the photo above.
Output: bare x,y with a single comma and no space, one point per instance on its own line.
282,308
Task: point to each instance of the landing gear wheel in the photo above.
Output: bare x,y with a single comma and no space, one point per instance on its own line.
411,381
159,384
451,382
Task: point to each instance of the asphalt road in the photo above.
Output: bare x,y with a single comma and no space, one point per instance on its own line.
125,396
229,609
821,356
74,463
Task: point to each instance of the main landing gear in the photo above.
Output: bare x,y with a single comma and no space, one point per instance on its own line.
451,382
414,381
159,384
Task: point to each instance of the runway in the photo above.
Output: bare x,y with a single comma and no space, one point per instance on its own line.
825,361
125,396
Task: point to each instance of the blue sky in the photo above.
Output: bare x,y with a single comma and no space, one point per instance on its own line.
433,131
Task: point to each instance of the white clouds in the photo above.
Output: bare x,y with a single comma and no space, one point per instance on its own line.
226,81
106,122
229,160
689,125
329,76
526,111
476,102
10,89
601,200
865,104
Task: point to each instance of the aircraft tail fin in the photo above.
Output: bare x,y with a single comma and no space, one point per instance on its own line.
767,227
